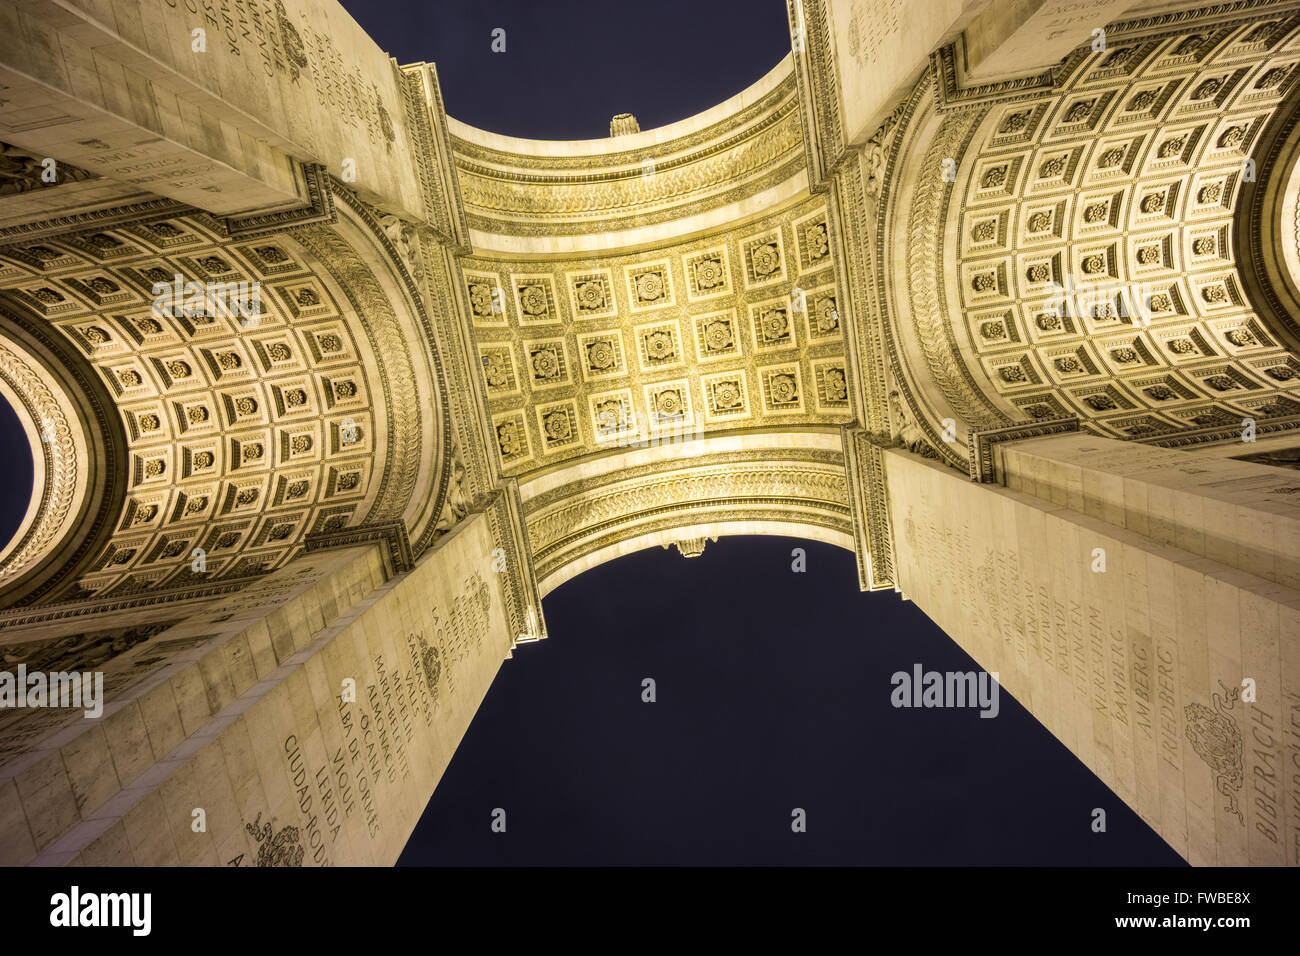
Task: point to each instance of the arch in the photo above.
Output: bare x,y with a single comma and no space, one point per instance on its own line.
373,270
769,482
78,454
1088,253
235,435
1266,226
932,368
701,533
658,322
526,197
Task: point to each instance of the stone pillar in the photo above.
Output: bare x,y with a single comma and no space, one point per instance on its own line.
215,108
247,717
1130,597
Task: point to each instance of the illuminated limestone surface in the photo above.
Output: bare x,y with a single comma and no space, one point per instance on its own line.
326,389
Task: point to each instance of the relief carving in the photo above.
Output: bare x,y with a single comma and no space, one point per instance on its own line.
1216,738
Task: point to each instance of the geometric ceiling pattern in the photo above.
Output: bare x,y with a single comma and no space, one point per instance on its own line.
737,330
243,435
1120,188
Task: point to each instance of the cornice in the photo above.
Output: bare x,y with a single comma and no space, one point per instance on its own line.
313,180
391,536
444,207
981,442
869,492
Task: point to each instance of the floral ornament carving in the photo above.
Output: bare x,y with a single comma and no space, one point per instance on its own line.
817,241
1141,101
557,426
546,363
670,403
1111,158
480,299
510,440
828,317
649,286
601,356
660,347
766,259
727,395
709,273
1015,122
533,300
495,369
994,177
610,415
1078,112
1232,137
718,335
837,388
591,297
784,389
774,326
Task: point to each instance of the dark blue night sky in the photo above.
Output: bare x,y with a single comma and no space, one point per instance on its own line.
570,65
773,692
15,473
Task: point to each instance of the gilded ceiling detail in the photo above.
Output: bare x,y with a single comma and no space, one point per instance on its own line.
1081,261
1126,181
245,433
737,330
630,306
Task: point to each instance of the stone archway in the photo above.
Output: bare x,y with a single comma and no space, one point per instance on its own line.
238,435
815,309
1264,228
79,449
